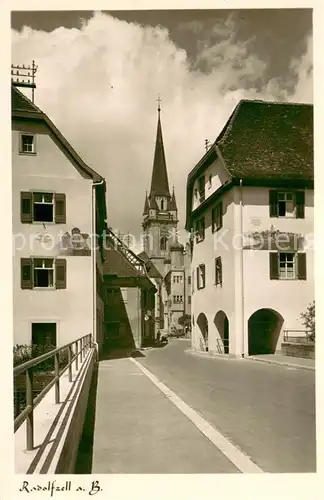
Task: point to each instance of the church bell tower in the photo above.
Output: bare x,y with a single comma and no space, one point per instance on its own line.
160,215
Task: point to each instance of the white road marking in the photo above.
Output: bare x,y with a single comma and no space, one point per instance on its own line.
232,452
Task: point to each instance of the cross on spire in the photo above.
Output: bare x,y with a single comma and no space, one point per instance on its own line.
159,102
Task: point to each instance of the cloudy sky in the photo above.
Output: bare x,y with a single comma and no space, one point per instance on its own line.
99,75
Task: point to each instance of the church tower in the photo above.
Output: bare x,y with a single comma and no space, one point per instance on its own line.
160,215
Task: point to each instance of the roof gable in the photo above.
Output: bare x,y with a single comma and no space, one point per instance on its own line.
22,107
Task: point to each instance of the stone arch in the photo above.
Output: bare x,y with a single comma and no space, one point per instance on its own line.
222,324
264,327
202,323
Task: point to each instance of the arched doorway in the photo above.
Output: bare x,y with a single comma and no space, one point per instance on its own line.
202,323
222,324
264,328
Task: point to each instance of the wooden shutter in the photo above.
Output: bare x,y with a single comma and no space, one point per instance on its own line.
60,208
274,265
26,207
26,270
60,274
203,274
301,266
300,204
273,203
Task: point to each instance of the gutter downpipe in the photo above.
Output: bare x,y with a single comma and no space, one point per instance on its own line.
242,270
93,265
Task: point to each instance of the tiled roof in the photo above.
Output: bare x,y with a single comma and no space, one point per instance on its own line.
117,264
19,102
268,140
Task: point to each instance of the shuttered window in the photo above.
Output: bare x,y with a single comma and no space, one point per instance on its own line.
40,272
287,266
287,204
42,207
218,271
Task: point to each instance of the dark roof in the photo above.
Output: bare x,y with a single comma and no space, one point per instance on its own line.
172,205
152,270
22,107
264,144
159,182
146,206
117,264
19,102
268,140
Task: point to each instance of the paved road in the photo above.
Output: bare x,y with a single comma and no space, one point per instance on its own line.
268,411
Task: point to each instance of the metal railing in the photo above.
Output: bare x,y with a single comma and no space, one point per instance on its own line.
132,258
297,336
77,351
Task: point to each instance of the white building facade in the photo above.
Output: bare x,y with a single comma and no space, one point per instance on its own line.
58,207
250,204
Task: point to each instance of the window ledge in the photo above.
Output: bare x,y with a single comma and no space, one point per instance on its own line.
25,153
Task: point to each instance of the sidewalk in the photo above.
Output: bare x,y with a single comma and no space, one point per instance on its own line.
280,359
273,359
139,430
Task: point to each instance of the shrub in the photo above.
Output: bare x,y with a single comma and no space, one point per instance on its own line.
23,353
308,318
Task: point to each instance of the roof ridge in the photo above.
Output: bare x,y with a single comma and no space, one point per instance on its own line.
287,103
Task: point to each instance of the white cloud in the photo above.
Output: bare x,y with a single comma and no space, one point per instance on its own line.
99,85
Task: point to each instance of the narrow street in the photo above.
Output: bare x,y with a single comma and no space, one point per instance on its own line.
266,411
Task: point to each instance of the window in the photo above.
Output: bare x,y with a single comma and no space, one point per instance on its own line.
201,276
189,280
200,229
209,181
217,217
42,207
287,204
162,204
44,334
218,271
196,193
177,299
43,273
189,299
27,144
288,266
163,243
201,188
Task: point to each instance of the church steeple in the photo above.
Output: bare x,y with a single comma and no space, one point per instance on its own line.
159,182
173,203
146,205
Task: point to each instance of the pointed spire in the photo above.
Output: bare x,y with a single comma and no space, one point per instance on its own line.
159,183
146,205
173,203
